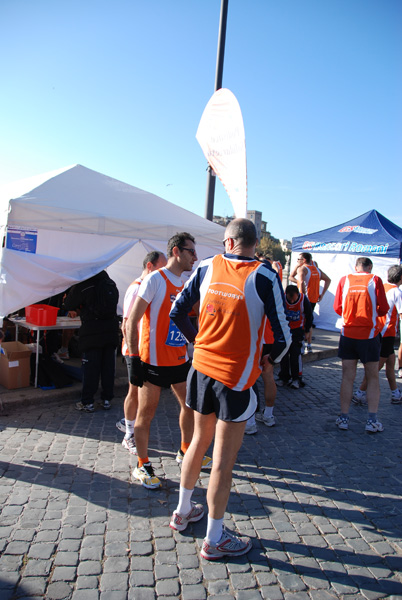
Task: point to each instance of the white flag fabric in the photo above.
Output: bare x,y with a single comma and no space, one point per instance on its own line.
222,139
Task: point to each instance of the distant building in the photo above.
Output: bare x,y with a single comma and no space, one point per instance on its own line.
254,215
286,245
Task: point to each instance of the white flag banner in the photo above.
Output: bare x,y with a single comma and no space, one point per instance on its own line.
222,139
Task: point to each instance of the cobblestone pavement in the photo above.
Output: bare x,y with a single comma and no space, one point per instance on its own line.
323,506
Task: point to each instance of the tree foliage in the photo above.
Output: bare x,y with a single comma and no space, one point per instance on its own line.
272,250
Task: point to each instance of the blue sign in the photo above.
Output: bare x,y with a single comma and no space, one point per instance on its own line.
21,239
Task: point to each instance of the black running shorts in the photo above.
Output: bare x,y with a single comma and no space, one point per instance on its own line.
387,346
206,395
164,377
365,350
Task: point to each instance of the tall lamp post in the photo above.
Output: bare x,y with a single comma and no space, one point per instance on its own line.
211,179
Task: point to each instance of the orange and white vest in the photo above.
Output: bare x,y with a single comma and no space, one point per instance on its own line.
231,319
313,282
161,342
359,302
389,323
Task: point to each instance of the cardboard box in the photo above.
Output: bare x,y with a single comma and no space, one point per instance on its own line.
15,365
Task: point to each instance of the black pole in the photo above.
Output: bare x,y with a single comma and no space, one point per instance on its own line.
210,195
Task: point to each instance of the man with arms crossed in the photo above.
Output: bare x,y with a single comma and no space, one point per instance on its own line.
236,292
360,299
160,359
153,261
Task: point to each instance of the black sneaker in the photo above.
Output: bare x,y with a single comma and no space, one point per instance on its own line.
85,407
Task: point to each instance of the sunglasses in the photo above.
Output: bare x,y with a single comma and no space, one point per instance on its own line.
191,250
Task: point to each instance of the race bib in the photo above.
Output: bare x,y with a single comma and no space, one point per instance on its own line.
175,336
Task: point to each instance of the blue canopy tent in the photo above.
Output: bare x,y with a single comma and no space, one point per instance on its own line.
335,250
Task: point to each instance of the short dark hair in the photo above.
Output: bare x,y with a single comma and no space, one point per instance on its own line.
307,256
244,230
291,289
179,239
394,274
364,262
151,257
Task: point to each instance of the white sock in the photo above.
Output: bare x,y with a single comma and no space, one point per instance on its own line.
214,530
129,428
184,506
268,411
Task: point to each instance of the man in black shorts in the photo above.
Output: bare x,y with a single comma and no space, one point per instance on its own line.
360,299
159,358
388,332
235,292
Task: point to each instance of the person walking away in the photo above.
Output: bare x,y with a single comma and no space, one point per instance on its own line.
360,300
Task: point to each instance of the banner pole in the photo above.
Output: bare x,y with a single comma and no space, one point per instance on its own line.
211,179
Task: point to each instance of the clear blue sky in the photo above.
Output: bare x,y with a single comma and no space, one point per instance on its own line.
120,87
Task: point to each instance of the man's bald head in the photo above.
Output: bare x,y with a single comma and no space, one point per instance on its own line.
243,231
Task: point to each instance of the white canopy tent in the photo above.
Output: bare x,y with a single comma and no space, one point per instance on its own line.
65,226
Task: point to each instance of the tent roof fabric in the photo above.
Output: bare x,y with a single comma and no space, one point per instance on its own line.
367,234
77,199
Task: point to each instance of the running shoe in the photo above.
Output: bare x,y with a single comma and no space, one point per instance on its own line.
251,428
146,475
179,522
206,461
308,349
63,354
268,421
400,373
294,384
106,404
342,422
396,396
85,407
129,444
121,425
374,426
229,545
359,397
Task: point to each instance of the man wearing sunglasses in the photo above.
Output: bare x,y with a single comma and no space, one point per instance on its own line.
236,293
158,357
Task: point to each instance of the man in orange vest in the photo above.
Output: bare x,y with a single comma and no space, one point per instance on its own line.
360,300
158,355
236,293
307,276
389,327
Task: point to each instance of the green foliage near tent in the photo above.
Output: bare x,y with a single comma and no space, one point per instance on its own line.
272,250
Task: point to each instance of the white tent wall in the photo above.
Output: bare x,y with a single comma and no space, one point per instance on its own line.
62,259
82,222
336,266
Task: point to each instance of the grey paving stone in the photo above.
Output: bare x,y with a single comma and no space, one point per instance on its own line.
114,582
37,568
193,592
85,595
64,574
243,581
90,567
84,582
141,548
33,586
166,571
142,579
67,559
41,550
17,548
167,587
141,594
